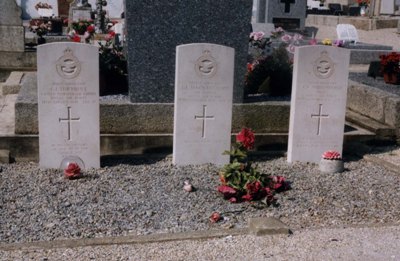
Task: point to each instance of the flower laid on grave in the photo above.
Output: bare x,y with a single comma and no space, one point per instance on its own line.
240,181
277,32
41,5
39,27
292,41
73,171
327,41
331,155
81,26
390,67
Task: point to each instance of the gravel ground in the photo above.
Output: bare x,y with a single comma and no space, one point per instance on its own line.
142,196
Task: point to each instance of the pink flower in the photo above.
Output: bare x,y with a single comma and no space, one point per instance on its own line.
247,197
313,41
279,183
291,48
331,155
286,38
72,171
246,138
215,217
257,35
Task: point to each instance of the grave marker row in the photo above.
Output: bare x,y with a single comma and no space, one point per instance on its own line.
68,98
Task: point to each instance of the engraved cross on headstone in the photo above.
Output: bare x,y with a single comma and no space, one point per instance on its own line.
319,116
204,118
287,4
69,120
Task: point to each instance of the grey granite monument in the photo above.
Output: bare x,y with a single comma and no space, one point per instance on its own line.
153,36
288,14
12,37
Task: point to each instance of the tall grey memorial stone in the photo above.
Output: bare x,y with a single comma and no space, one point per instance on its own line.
12,33
288,14
203,103
152,37
318,104
68,98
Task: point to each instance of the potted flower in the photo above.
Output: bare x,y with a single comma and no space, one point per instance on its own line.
331,162
390,67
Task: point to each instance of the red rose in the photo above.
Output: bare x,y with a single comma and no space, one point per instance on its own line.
246,138
76,39
215,217
227,191
90,29
72,171
247,197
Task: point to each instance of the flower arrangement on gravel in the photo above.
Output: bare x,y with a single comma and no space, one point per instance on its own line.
243,182
331,155
73,171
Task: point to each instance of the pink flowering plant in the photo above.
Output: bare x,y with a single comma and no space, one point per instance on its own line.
331,155
241,181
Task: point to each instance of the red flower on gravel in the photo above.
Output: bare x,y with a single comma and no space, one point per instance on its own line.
246,138
227,191
72,171
215,217
280,184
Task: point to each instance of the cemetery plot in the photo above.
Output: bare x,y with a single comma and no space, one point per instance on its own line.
68,100
203,104
318,104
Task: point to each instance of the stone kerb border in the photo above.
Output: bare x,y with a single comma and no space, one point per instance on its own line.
376,104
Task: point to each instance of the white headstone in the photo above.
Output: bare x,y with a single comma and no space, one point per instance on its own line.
347,32
203,103
68,98
318,104
45,12
387,7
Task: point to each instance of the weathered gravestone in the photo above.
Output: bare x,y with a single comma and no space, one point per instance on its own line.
12,32
68,99
318,104
152,37
203,103
288,14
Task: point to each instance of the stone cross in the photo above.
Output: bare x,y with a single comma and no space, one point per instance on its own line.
204,118
287,4
69,120
319,116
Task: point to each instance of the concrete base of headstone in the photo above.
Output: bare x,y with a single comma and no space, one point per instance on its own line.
12,38
331,166
267,226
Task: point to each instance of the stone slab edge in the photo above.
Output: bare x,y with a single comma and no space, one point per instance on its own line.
122,240
267,226
383,163
262,226
13,83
